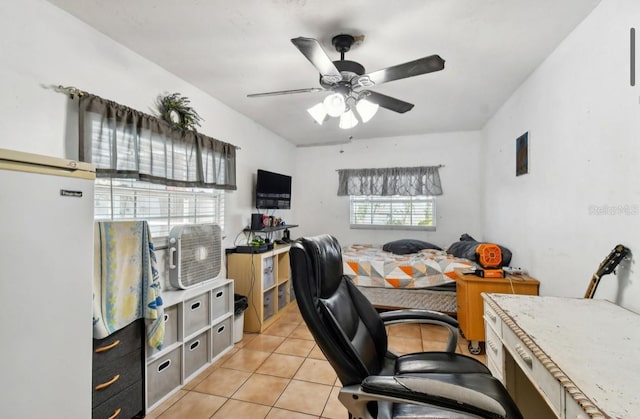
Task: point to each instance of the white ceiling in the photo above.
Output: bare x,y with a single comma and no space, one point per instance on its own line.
232,48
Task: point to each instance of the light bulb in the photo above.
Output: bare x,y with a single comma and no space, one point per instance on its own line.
334,104
366,109
318,113
348,120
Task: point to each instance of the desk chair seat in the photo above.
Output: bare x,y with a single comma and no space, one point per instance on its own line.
376,382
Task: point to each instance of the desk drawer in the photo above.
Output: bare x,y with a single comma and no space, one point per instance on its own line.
549,387
491,320
494,349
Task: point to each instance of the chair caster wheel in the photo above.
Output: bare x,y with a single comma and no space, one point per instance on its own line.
474,347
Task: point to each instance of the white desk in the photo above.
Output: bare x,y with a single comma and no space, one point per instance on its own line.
580,356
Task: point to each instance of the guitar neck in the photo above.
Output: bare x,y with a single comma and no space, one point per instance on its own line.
593,286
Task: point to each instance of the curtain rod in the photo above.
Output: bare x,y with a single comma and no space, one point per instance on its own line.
438,166
73,91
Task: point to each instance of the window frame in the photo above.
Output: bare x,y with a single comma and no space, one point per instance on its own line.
143,189
373,199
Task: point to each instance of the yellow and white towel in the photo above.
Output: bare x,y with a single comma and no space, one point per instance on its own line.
126,284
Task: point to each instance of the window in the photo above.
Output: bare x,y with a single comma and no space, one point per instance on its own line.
393,212
162,206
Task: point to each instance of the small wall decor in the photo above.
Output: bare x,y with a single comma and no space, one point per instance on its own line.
522,154
176,110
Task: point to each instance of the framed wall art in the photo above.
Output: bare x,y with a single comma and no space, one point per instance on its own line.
522,154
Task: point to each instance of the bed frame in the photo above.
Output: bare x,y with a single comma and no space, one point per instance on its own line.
443,301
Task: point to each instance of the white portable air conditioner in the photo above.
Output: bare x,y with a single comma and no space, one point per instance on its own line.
195,254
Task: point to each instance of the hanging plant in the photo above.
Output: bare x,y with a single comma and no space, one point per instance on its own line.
175,110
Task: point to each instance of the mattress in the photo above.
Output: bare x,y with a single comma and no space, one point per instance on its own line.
370,266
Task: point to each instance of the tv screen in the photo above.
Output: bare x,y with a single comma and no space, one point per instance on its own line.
273,190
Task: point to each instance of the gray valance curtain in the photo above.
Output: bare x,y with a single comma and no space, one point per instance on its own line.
125,143
405,181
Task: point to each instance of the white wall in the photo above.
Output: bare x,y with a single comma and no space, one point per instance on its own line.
583,119
320,210
42,46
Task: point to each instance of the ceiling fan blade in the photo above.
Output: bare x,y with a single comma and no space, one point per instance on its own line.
311,49
410,69
287,92
388,102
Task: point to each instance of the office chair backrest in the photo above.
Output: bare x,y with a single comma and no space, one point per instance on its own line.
343,322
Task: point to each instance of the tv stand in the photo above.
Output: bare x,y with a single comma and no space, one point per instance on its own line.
271,229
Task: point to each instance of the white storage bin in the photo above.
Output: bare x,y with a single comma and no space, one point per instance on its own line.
196,314
196,353
221,299
221,336
268,279
163,375
269,304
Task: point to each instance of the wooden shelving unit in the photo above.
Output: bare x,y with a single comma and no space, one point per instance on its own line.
266,281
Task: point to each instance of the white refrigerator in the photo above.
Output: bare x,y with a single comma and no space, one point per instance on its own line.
46,266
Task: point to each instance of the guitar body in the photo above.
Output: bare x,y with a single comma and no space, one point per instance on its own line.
607,266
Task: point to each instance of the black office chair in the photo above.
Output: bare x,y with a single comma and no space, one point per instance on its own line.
377,383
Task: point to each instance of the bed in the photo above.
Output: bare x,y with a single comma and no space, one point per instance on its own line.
424,279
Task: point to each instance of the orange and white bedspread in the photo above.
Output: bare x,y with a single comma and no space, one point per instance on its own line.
370,266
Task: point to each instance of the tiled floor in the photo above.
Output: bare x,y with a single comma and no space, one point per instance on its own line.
281,374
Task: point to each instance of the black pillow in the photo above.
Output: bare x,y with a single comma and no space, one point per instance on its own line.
406,246
466,248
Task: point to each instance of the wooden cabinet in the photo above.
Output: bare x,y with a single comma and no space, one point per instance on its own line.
198,330
470,305
265,279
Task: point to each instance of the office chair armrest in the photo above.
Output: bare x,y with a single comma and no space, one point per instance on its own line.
425,316
448,391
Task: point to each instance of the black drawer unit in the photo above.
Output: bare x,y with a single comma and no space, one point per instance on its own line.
118,371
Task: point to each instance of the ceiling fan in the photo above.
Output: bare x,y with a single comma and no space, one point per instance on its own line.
349,82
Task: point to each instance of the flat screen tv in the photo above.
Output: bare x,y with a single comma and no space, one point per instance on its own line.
273,190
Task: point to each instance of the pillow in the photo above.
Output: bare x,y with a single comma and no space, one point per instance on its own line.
466,248
406,246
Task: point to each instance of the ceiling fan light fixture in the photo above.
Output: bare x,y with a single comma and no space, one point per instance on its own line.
334,104
318,113
348,120
366,109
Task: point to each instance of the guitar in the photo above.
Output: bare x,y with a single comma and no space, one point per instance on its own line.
607,266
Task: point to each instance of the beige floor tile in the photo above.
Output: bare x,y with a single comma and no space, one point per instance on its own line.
280,328
433,332
262,389
402,345
405,330
316,371
316,353
304,397
246,360
239,409
276,413
223,382
264,343
297,347
301,332
334,409
429,346
291,316
246,338
281,365
200,377
153,414
194,406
